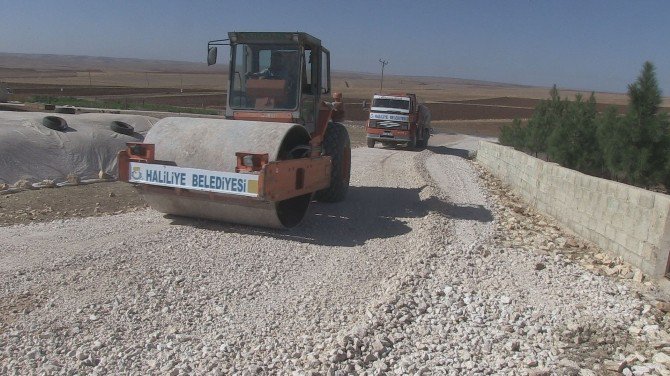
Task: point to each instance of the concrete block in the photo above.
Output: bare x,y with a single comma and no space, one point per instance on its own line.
595,237
591,198
616,249
622,192
612,204
649,252
633,196
639,214
620,238
618,221
601,240
641,227
632,259
610,188
588,182
586,219
602,200
660,268
634,245
617,217
646,200
577,227
601,185
657,224
662,203
651,268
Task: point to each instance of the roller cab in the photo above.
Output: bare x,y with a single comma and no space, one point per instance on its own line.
279,146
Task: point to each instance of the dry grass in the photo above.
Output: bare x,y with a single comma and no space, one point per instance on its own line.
480,128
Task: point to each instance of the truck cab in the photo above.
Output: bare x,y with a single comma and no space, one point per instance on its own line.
397,119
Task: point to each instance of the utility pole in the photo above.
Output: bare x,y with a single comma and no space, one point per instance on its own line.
384,63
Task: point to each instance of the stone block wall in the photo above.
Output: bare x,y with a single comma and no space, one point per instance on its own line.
626,221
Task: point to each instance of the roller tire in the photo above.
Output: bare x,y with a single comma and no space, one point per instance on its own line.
371,143
336,144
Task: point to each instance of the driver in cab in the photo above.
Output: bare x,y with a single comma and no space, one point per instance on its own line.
276,70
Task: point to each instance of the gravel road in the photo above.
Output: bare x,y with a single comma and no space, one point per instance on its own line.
429,267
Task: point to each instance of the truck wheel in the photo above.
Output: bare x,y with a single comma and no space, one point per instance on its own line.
371,143
412,143
426,137
336,144
419,143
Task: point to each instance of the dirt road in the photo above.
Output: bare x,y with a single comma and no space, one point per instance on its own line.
408,275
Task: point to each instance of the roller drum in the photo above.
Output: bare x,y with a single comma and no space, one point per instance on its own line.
211,144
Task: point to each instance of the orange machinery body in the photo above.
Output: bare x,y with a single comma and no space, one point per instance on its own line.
274,149
277,180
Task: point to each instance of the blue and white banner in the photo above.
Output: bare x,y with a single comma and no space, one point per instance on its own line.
393,117
193,178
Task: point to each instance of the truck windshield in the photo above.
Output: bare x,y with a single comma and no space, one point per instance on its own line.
389,103
264,77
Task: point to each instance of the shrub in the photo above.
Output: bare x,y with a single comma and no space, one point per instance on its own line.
513,135
573,141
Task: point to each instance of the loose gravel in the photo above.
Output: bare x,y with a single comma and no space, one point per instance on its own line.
431,266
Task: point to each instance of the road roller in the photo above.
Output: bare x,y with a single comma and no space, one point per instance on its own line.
280,145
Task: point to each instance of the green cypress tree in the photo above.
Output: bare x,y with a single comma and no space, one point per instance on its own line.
563,142
614,143
636,146
645,95
545,117
572,142
590,158
647,129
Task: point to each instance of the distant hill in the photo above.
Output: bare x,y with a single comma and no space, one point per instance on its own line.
97,63
44,62
424,79
60,70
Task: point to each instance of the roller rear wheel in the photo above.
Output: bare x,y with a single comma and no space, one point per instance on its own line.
336,144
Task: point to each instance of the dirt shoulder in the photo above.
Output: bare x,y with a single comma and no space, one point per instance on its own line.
90,200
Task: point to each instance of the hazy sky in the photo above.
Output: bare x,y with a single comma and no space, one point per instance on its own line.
581,44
